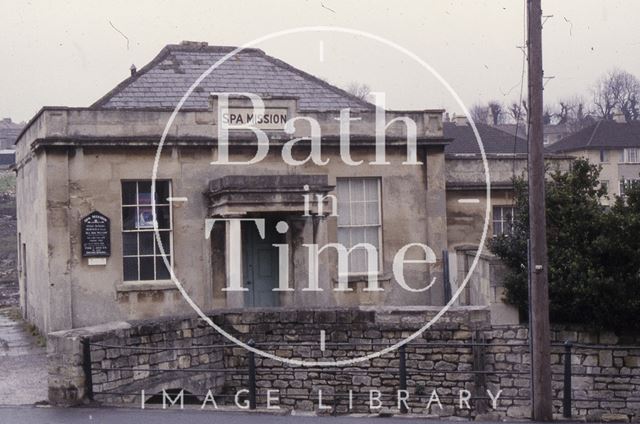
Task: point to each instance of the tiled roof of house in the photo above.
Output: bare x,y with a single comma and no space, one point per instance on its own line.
9,132
520,129
601,135
165,80
495,141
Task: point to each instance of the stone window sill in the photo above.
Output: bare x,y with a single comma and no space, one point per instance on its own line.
131,286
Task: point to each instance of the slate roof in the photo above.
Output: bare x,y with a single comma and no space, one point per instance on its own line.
9,132
601,135
162,83
520,128
495,141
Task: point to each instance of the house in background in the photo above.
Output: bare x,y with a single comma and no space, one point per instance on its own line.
612,144
552,133
9,132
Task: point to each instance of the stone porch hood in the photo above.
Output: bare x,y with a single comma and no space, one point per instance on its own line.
236,195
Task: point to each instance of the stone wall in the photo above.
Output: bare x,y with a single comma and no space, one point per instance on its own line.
461,351
352,334
129,357
9,291
605,370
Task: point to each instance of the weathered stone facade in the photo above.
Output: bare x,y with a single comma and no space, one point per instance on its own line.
70,177
461,351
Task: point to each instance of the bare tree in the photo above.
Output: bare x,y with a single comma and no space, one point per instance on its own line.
492,113
517,112
617,89
479,113
564,114
497,112
569,111
361,91
626,92
573,112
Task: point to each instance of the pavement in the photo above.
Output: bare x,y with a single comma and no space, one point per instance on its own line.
33,415
23,363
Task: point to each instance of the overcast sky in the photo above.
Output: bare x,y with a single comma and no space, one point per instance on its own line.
70,53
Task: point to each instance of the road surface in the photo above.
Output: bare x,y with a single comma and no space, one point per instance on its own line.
23,364
48,415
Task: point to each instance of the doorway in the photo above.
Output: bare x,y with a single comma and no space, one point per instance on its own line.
260,264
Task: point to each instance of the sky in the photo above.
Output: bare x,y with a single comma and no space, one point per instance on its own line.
70,53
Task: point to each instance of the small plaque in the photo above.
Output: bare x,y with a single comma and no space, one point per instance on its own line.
97,261
96,236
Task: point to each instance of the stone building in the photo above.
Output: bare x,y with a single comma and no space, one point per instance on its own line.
506,155
88,250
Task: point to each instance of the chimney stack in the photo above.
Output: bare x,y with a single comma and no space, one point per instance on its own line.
133,70
460,120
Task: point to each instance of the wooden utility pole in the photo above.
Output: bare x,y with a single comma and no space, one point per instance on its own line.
539,290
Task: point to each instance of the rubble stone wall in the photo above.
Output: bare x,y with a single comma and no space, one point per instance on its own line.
460,354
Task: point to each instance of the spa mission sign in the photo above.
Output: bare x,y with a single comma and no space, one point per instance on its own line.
269,119
96,236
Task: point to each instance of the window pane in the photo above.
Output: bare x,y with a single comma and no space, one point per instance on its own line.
130,269
128,193
508,215
358,213
371,188
129,244
357,236
146,242
144,193
357,261
163,217
162,273
166,245
344,212
357,189
497,213
129,218
146,268
145,217
343,237
371,236
162,192
372,213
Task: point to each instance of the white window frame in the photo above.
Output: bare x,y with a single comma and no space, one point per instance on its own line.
632,155
604,156
624,183
155,255
502,221
350,225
